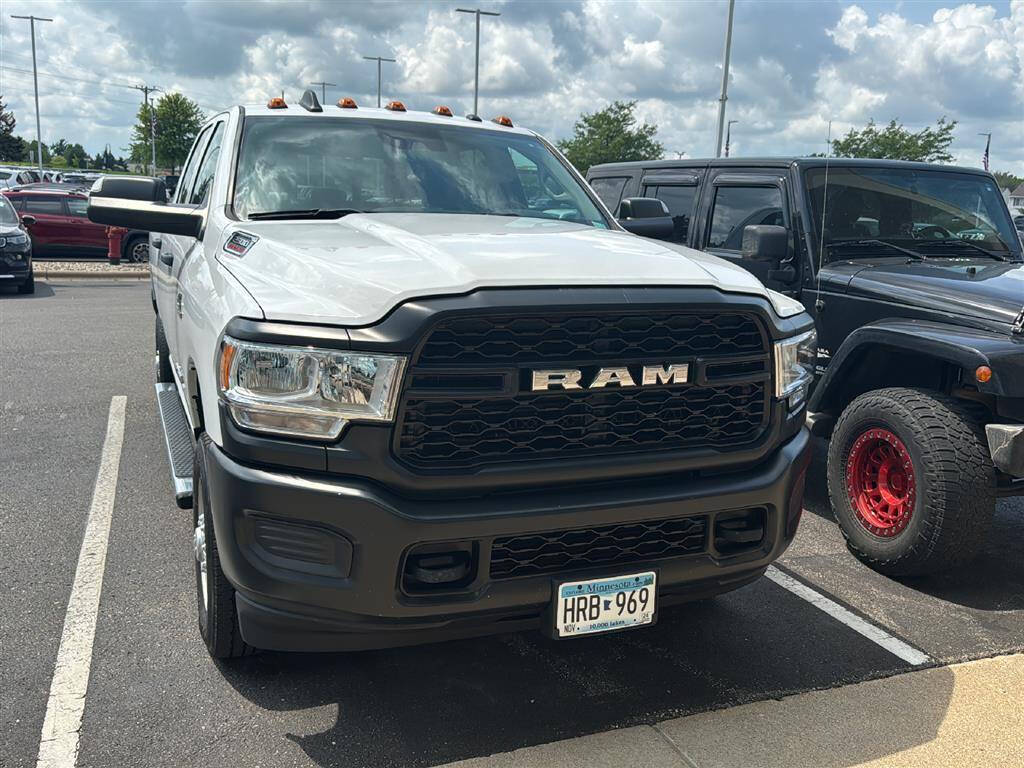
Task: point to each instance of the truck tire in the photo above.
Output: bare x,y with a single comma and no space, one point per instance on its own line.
163,356
911,482
29,286
218,617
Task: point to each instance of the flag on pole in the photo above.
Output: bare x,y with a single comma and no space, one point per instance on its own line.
984,159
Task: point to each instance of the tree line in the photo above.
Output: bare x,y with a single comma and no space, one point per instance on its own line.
177,123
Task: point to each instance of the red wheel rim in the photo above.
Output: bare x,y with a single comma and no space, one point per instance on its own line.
880,482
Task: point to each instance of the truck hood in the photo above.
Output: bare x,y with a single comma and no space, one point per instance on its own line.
354,270
980,289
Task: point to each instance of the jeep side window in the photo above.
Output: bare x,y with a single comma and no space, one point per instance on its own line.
739,207
204,177
679,200
188,174
610,191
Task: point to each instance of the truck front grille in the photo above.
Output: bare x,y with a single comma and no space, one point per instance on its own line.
467,403
608,545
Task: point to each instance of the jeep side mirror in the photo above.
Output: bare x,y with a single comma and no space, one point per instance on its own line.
765,242
646,216
135,202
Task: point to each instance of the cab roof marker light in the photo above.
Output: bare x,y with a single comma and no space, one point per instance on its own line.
395,106
503,120
442,110
348,103
277,102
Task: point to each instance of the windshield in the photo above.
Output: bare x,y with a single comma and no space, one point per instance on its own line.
909,208
375,166
8,216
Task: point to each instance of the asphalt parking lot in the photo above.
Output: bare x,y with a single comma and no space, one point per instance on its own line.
155,697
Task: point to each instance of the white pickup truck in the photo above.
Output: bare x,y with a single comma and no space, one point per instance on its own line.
417,383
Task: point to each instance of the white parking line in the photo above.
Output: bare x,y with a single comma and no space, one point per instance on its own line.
58,745
873,633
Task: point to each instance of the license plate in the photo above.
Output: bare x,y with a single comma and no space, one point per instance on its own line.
605,605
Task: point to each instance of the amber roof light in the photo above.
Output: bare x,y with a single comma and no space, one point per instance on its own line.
395,106
502,120
347,103
277,103
442,110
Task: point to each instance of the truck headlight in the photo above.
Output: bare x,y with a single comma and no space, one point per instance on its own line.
795,359
305,392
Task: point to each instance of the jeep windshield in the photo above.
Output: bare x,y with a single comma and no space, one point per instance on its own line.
306,168
935,214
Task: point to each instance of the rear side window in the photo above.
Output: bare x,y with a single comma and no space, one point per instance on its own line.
680,201
204,178
739,207
77,206
609,190
45,205
185,187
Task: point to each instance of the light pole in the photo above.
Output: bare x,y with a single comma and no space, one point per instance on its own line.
988,144
323,90
728,133
725,79
35,84
476,80
146,90
378,59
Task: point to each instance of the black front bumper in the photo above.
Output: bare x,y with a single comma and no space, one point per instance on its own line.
318,561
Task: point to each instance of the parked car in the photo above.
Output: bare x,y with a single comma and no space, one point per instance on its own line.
913,273
15,249
62,227
406,402
14,177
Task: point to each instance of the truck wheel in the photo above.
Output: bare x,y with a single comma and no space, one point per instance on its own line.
136,250
163,356
911,482
218,617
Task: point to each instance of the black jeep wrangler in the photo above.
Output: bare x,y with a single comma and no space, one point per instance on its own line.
914,275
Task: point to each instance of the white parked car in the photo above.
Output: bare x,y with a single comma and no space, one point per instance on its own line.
417,383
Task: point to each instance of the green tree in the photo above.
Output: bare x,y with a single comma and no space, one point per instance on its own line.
30,152
59,147
11,147
140,144
895,142
1008,180
611,135
178,120
76,156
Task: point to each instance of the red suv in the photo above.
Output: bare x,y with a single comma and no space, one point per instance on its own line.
62,228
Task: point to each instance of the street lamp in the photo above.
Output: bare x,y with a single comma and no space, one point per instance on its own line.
476,80
725,78
728,133
35,83
378,59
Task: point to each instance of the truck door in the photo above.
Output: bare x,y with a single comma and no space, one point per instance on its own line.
737,199
167,252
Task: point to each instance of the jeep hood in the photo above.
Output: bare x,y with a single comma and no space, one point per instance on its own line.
354,270
980,289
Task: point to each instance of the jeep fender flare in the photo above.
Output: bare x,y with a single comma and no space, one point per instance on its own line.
966,348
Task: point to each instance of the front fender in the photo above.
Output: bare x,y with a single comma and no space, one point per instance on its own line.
967,348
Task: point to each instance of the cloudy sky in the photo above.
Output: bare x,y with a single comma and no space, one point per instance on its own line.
795,65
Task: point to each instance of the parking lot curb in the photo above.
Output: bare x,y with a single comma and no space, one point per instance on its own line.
81,274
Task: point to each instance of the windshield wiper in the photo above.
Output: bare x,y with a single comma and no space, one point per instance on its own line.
955,241
872,241
306,213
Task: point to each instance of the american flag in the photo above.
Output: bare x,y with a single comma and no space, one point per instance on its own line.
984,158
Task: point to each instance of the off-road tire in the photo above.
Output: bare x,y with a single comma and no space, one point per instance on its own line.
954,480
163,356
218,615
29,286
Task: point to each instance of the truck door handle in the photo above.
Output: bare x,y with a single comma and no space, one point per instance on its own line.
166,258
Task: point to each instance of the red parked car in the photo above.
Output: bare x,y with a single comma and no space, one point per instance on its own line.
62,228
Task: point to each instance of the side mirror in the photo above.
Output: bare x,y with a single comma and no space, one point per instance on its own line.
765,242
646,216
136,202
28,220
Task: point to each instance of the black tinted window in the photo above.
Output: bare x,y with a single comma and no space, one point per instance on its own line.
44,205
204,178
739,207
680,202
609,190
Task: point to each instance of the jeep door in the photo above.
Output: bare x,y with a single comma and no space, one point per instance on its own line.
678,190
737,198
